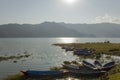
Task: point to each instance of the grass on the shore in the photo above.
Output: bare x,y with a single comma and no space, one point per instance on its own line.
15,77
115,76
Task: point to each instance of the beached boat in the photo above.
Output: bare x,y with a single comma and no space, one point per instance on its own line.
88,64
109,65
99,66
84,51
35,73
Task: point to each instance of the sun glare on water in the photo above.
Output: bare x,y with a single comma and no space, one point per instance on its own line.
67,40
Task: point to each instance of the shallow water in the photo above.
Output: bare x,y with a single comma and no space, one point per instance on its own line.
45,55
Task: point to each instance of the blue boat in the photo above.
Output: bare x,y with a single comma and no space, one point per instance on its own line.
84,51
109,65
35,73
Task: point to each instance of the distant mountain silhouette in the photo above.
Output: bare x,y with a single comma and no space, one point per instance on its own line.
53,29
98,30
46,29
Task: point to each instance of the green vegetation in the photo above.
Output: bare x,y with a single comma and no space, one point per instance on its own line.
15,77
115,76
3,58
56,68
67,62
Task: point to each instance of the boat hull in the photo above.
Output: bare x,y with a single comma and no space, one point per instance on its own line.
42,74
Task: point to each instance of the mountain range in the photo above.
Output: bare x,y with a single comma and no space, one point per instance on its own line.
54,29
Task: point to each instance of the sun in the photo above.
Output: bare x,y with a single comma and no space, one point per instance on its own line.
70,2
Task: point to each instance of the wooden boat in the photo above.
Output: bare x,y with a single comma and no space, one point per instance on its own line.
109,65
82,52
35,73
89,65
98,66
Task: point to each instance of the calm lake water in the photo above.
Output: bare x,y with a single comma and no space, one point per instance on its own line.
45,55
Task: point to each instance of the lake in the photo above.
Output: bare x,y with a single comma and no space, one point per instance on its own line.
45,55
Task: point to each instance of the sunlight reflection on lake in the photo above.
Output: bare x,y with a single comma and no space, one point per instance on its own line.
67,40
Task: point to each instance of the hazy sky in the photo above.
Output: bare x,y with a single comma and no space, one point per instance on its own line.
81,11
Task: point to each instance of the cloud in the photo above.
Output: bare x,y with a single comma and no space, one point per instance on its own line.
106,19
